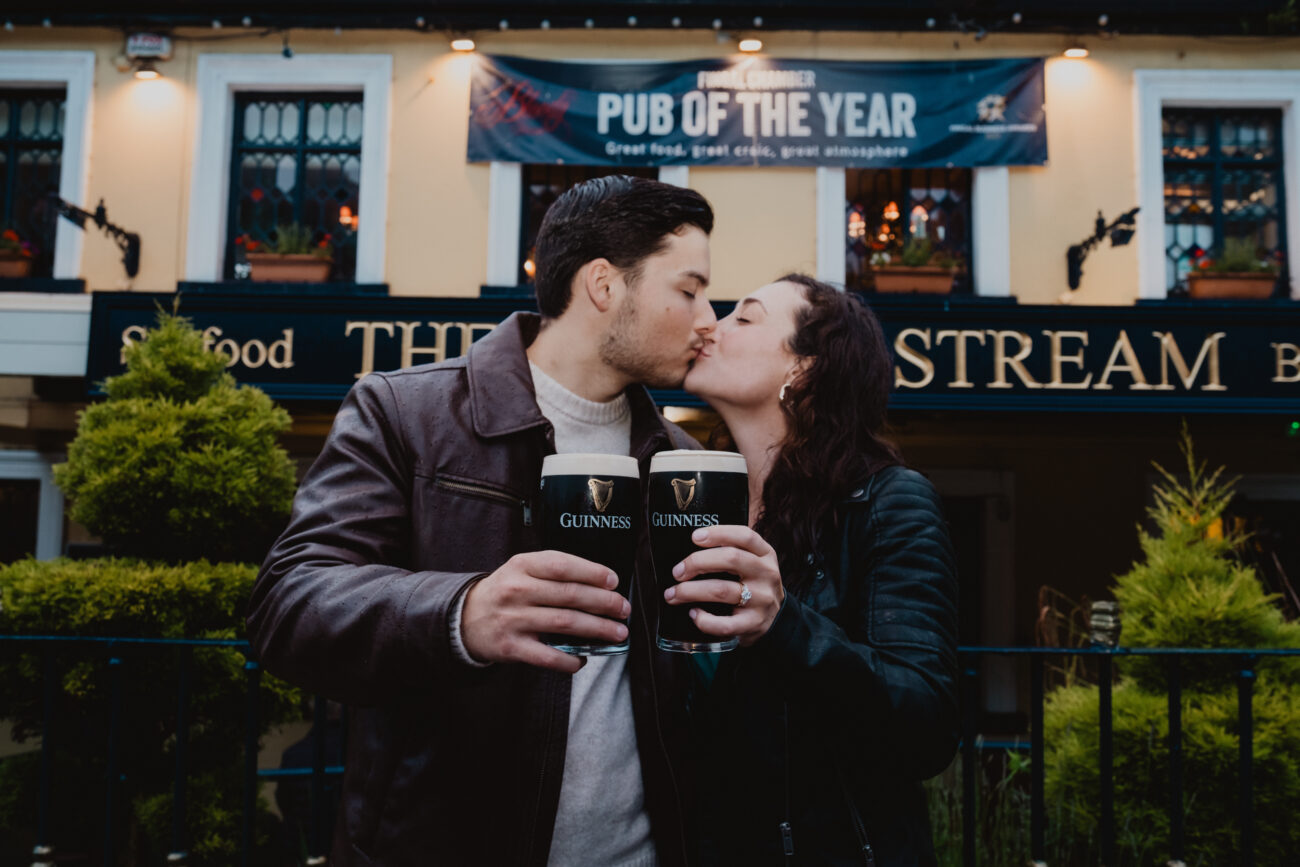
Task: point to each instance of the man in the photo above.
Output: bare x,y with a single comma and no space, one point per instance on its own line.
409,585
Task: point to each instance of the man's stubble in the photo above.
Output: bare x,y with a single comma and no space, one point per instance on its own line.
628,349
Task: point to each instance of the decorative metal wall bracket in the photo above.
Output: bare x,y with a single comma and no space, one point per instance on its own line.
127,242
1120,232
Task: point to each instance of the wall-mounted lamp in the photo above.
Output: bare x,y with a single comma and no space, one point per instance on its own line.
750,46
462,44
1120,232
1076,52
145,70
144,50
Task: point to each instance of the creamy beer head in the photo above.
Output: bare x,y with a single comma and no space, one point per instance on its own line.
582,464
696,461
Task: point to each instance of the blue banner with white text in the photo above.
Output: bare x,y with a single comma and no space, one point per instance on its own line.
758,111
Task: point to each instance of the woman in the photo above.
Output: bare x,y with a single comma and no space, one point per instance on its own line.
816,734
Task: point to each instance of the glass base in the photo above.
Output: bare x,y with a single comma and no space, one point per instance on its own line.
592,649
676,646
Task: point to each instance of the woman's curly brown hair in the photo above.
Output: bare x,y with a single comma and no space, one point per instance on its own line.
835,412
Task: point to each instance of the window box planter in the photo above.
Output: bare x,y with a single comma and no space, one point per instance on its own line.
290,268
1257,284
927,279
13,265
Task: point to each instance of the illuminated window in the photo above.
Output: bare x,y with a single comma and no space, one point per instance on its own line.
31,157
1223,181
297,159
896,212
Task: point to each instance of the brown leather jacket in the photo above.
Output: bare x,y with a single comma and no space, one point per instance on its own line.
426,482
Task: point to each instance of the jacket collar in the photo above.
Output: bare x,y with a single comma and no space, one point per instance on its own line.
503,400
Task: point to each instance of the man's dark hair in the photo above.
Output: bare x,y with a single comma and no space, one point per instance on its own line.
623,219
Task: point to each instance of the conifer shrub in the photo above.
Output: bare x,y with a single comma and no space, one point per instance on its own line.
180,462
1189,590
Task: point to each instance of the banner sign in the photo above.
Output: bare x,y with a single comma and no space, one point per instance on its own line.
758,111
956,355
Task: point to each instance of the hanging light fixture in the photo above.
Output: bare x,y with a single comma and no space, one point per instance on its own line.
145,70
750,46
462,44
1076,52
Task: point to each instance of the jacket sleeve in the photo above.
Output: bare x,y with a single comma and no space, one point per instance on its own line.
336,609
883,672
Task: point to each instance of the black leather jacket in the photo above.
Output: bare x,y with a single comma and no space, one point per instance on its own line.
850,694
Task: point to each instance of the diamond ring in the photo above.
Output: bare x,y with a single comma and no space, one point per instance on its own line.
745,595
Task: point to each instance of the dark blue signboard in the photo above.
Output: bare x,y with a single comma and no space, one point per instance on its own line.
1191,357
759,111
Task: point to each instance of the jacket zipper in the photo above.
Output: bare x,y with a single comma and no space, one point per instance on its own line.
488,493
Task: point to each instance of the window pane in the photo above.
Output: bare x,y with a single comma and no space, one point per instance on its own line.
542,185
298,159
893,212
31,154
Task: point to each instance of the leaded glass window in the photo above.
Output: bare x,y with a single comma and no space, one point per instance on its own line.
31,155
1223,181
542,185
296,159
893,212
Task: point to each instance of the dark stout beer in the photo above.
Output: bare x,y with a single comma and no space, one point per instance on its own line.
589,507
688,490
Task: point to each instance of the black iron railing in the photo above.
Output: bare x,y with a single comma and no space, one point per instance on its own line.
1245,660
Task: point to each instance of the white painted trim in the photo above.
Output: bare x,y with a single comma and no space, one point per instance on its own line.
218,77
75,72
45,302
505,217
678,176
49,515
1153,89
991,230
832,238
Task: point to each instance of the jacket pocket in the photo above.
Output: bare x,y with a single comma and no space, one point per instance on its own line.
485,491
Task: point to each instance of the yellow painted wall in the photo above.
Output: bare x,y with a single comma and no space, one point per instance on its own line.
142,148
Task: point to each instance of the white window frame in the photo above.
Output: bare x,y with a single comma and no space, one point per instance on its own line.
219,77
74,71
1156,89
990,228
505,217
49,515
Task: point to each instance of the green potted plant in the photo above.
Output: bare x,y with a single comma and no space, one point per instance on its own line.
1239,272
918,267
15,255
293,257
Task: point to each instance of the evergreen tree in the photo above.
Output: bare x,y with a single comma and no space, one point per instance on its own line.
180,462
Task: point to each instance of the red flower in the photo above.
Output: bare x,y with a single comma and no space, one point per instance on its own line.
11,235
1205,263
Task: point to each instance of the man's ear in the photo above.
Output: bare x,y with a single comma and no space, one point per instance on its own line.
593,280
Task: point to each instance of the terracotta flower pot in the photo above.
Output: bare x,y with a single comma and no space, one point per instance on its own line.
13,265
927,279
293,268
1258,284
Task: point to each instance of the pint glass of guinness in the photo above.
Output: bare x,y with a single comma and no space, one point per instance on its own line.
589,506
688,490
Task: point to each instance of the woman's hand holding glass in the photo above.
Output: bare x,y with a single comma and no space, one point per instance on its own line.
758,594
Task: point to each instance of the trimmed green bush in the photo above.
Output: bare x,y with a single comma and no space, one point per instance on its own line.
122,597
1188,591
180,462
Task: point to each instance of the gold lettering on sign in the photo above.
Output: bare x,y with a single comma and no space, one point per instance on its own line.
1059,358
227,347
409,350
960,338
368,330
1284,362
1016,362
281,354
906,353
1169,351
130,334
1130,366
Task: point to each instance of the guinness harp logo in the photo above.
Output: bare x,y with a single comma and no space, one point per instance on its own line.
601,492
684,491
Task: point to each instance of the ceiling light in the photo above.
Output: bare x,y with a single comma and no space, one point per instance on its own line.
1076,52
749,46
464,43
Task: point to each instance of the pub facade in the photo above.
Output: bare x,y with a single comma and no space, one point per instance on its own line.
1046,209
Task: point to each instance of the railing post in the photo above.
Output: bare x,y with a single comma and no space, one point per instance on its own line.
112,775
1107,763
1038,773
1246,740
318,778
1177,813
252,679
43,852
968,763
178,854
